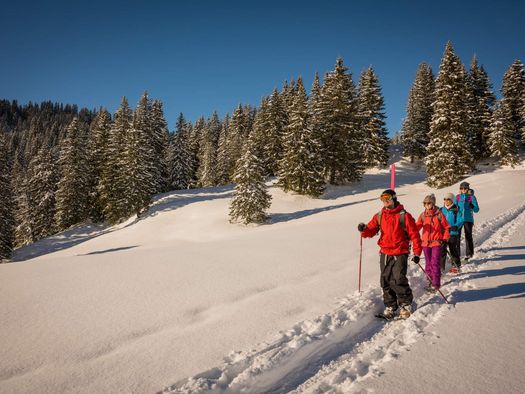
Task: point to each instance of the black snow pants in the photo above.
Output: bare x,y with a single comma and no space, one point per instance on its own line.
453,246
468,238
394,281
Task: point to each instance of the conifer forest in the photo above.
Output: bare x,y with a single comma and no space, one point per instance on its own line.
61,165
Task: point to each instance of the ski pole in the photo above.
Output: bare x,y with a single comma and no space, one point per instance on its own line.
360,260
430,280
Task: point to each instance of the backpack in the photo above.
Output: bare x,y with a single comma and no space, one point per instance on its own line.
439,215
458,197
401,219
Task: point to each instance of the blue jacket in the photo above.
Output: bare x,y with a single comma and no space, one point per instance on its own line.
453,218
468,205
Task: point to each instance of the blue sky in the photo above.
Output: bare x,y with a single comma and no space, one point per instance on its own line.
201,56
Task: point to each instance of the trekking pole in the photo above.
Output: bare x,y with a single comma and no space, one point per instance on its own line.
360,260
430,280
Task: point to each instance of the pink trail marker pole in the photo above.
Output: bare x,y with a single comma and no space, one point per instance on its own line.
393,177
360,260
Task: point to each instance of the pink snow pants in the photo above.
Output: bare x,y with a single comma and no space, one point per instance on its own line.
432,266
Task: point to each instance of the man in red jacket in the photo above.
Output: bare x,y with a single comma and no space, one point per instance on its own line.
397,228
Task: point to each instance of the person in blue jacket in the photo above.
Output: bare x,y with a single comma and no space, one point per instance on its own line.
468,205
451,213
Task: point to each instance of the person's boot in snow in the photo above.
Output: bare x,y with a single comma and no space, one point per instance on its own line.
429,288
405,312
389,312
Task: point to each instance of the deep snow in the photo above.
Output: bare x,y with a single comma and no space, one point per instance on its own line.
182,300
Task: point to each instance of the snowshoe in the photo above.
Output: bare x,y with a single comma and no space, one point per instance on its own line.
454,270
405,312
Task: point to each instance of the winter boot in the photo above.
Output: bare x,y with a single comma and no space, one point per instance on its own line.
454,270
405,312
429,288
389,312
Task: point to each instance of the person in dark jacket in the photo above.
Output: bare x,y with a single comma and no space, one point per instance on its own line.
397,229
451,212
468,205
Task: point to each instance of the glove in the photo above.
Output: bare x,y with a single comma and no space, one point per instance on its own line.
415,259
361,227
471,205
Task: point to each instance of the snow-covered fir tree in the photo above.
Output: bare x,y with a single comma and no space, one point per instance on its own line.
502,142
480,100
416,126
236,138
448,154
98,151
41,189
371,117
275,120
160,140
141,174
336,123
180,156
207,172
250,199
223,160
196,133
7,223
512,90
113,184
301,167
73,188
260,134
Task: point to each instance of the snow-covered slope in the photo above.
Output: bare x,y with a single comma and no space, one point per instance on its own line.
182,293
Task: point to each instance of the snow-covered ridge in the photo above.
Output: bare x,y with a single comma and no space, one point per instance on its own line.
346,346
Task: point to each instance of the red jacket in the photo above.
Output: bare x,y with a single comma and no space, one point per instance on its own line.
394,240
435,227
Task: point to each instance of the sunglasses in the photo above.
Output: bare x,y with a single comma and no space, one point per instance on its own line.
386,198
428,203
447,199
463,188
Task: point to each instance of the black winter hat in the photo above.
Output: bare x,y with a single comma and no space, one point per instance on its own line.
390,192
464,184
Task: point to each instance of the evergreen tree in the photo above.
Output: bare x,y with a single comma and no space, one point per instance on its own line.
142,179
99,158
207,172
301,168
512,89
195,141
73,188
180,157
237,135
223,162
251,198
416,126
315,94
502,143
274,122
113,184
160,140
449,156
480,100
41,189
371,117
336,123
7,224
